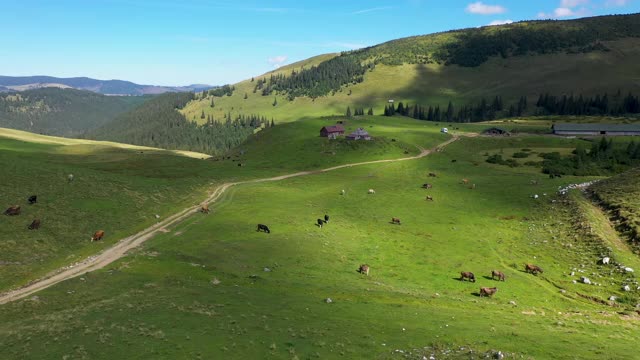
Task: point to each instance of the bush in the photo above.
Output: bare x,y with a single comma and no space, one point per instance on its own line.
520,155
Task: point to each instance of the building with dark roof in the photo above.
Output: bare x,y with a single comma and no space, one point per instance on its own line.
596,129
332,131
360,134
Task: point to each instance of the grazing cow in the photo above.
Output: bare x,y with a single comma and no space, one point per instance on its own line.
467,275
499,274
33,199
321,222
35,225
429,197
371,191
364,269
326,218
431,174
70,178
13,210
395,221
533,269
427,186
453,160
264,228
204,209
98,235
486,291
465,181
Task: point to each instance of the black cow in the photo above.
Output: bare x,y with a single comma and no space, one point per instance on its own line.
264,228
326,218
321,222
33,199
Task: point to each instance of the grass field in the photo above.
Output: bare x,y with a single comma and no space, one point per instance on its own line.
434,84
201,290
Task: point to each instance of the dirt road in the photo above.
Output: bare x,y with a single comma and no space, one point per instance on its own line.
119,250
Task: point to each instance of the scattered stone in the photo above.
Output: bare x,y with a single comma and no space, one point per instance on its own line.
626,288
612,298
512,303
215,281
628,269
573,273
329,301
585,280
267,269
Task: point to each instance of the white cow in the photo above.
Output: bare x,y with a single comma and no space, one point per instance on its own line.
371,191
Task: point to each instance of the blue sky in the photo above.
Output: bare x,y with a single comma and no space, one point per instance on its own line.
171,42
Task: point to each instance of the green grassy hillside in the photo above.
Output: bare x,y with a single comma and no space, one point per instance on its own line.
62,112
420,70
213,287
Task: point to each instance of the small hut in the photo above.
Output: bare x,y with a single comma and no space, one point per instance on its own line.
360,134
332,131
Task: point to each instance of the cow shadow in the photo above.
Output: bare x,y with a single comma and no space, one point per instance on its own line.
488,277
476,294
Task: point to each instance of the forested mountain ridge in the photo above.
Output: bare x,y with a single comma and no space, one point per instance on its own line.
62,112
158,123
586,57
109,87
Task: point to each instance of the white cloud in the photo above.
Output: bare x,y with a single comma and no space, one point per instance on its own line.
364,11
572,3
500,22
484,9
617,2
563,12
277,61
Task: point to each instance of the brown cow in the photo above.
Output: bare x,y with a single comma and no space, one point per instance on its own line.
427,186
533,269
431,174
465,181
13,210
467,275
364,269
98,235
486,291
204,209
35,225
429,197
395,221
496,273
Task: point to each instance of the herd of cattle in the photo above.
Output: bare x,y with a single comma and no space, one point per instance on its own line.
15,210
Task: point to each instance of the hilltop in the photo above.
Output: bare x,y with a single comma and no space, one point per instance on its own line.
588,57
107,87
62,112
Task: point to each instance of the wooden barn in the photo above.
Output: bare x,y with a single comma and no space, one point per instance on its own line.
332,131
360,134
596,129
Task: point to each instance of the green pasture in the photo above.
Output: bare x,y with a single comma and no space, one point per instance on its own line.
201,290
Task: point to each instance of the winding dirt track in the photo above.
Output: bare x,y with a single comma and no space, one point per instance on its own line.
119,250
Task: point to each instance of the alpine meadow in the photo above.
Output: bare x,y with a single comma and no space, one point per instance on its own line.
466,194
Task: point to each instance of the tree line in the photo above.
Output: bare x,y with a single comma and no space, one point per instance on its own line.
484,110
158,123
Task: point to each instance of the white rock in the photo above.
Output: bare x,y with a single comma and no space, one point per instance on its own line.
626,288
585,280
612,298
605,260
628,269
329,301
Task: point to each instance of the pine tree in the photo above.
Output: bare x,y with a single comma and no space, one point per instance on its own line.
246,96
212,104
202,115
275,101
272,123
348,111
370,112
449,114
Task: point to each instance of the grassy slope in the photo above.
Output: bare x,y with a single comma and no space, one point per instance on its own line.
160,302
119,188
434,84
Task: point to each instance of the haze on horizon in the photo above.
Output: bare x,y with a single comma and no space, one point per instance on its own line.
223,41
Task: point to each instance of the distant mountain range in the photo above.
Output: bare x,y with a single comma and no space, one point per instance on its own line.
106,87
